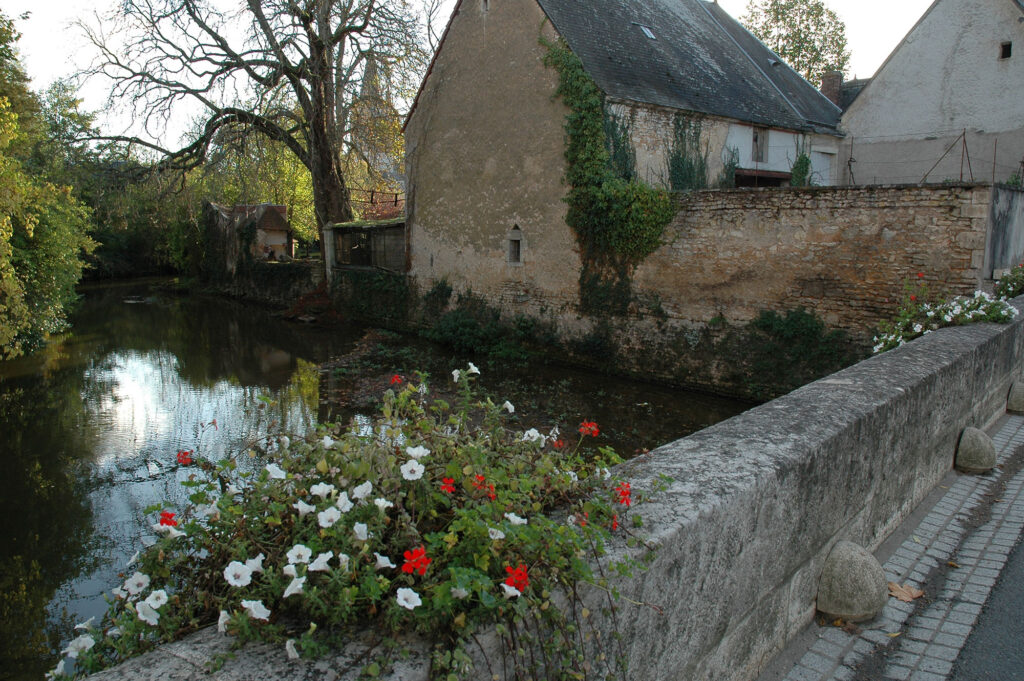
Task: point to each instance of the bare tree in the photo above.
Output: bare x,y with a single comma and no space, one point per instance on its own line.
287,69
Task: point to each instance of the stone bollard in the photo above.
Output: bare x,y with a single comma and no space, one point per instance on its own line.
1015,401
853,585
976,453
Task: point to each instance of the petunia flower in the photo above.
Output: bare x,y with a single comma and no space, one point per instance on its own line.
147,613
55,672
222,621
238,574
289,647
362,491
412,470
533,435
508,407
472,369
382,503
455,375
515,520
299,554
86,625
275,472
119,593
383,562
173,533
328,517
156,599
79,645
343,561
289,570
303,508
327,442
495,534
295,587
408,599
417,452
136,583
510,591
321,562
134,559
359,530
283,442
321,489
256,610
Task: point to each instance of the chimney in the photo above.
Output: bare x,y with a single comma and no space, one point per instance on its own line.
831,85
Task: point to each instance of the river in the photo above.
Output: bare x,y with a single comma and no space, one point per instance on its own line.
91,426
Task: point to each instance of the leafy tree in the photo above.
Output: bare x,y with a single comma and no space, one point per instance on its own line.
286,70
804,33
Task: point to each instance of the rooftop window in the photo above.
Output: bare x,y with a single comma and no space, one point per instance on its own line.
1005,50
647,32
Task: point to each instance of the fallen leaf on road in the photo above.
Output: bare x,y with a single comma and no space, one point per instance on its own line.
894,634
952,564
904,592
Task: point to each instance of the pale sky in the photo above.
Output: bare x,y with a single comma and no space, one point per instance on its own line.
51,48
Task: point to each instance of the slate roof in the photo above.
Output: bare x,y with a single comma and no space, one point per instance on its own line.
701,59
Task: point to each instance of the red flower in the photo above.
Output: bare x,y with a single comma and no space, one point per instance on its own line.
589,428
920,275
615,522
185,457
625,494
480,483
167,518
558,444
490,493
517,579
416,561
396,379
448,485
913,297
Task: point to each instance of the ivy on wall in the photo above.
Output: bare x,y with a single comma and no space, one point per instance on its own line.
617,221
687,161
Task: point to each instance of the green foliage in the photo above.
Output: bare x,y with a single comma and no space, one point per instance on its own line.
727,177
433,519
603,292
1011,284
800,173
435,301
597,345
621,155
475,327
375,295
1016,180
806,34
687,160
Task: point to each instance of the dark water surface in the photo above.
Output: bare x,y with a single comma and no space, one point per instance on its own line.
90,427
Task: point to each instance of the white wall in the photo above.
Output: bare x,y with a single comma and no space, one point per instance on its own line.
783,149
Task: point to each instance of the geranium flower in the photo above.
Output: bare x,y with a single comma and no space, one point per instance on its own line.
238,574
459,592
256,610
382,503
147,613
558,444
408,599
136,583
515,520
479,482
448,485
495,533
412,470
510,591
589,428
156,599
295,587
383,562
303,508
321,562
362,491
222,621
417,452
359,530
321,489
472,369
624,493
343,503
255,564
416,561
328,516
185,457
508,407
167,519
299,554
275,472
79,645
289,647
615,522
396,380
517,577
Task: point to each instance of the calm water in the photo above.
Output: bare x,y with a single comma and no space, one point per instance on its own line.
90,428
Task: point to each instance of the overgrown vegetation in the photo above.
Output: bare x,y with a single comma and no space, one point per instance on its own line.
800,173
687,159
474,326
376,295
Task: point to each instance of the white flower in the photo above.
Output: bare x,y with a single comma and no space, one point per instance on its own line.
459,592
147,614
114,632
289,647
289,570
256,610
275,472
134,559
495,534
533,435
86,625
605,473
321,489
472,369
238,574
295,587
511,591
299,554
918,328
328,517
222,621
320,564
417,452
118,592
383,562
382,503
455,375
359,529
344,504
232,489
255,564
508,407
79,645
343,561
156,599
174,532
362,491
412,470
283,442
56,671
327,442
515,520
408,599
136,583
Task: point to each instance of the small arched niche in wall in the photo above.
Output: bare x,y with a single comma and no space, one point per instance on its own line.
515,246
485,5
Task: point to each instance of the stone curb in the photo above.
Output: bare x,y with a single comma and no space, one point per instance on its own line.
920,641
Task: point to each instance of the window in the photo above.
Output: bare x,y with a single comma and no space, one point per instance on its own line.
647,32
1005,50
759,153
485,5
515,246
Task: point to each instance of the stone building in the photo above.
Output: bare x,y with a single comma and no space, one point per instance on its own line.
947,104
